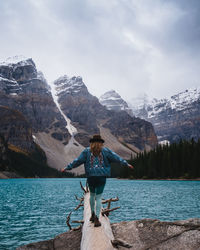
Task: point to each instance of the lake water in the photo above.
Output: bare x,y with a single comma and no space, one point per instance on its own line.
36,209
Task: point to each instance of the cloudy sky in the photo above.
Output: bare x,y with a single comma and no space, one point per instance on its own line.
132,46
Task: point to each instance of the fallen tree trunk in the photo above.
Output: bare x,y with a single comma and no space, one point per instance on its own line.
95,237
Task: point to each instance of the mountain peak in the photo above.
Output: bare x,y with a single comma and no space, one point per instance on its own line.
113,101
19,60
111,94
67,85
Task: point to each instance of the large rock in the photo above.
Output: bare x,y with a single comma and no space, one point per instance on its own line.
66,241
140,234
157,235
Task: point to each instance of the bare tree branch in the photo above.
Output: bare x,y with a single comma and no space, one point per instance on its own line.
79,205
79,199
76,228
67,221
82,188
110,200
107,211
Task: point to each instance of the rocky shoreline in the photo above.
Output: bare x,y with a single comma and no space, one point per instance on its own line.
140,234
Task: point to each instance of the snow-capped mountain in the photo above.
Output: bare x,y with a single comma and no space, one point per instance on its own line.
24,89
18,60
50,112
90,116
18,74
113,101
178,102
173,118
139,105
67,85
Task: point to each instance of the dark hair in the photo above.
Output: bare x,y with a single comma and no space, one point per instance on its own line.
96,138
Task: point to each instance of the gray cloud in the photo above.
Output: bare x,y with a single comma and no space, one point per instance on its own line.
127,45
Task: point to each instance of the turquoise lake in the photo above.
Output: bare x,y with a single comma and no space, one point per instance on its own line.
36,209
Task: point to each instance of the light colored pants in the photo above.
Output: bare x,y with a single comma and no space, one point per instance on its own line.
95,195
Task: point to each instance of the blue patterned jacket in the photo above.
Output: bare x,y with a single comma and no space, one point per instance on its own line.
97,166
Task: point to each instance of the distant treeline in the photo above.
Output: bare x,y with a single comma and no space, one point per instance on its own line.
178,160
33,165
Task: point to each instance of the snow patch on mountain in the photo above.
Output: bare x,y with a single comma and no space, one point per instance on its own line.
185,98
18,59
144,107
8,80
72,130
67,85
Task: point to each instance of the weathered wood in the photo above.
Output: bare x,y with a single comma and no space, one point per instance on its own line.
107,211
110,200
95,237
76,228
79,199
79,205
67,221
84,189
118,242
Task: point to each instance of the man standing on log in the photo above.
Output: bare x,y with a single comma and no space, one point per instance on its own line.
96,160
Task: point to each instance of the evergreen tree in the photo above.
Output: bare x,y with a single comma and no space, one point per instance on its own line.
178,160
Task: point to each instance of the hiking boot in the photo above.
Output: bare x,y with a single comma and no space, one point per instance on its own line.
92,217
97,223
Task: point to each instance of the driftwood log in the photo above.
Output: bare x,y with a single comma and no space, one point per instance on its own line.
95,237
100,238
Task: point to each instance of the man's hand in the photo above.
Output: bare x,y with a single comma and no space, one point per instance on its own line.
130,166
62,170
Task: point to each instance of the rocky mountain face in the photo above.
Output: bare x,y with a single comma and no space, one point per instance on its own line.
24,89
173,119
89,116
113,101
15,129
34,115
20,156
79,106
131,130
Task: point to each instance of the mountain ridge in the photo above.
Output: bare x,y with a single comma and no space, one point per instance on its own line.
25,89
113,101
89,115
174,118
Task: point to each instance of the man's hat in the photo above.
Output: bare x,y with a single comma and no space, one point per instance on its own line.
96,138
